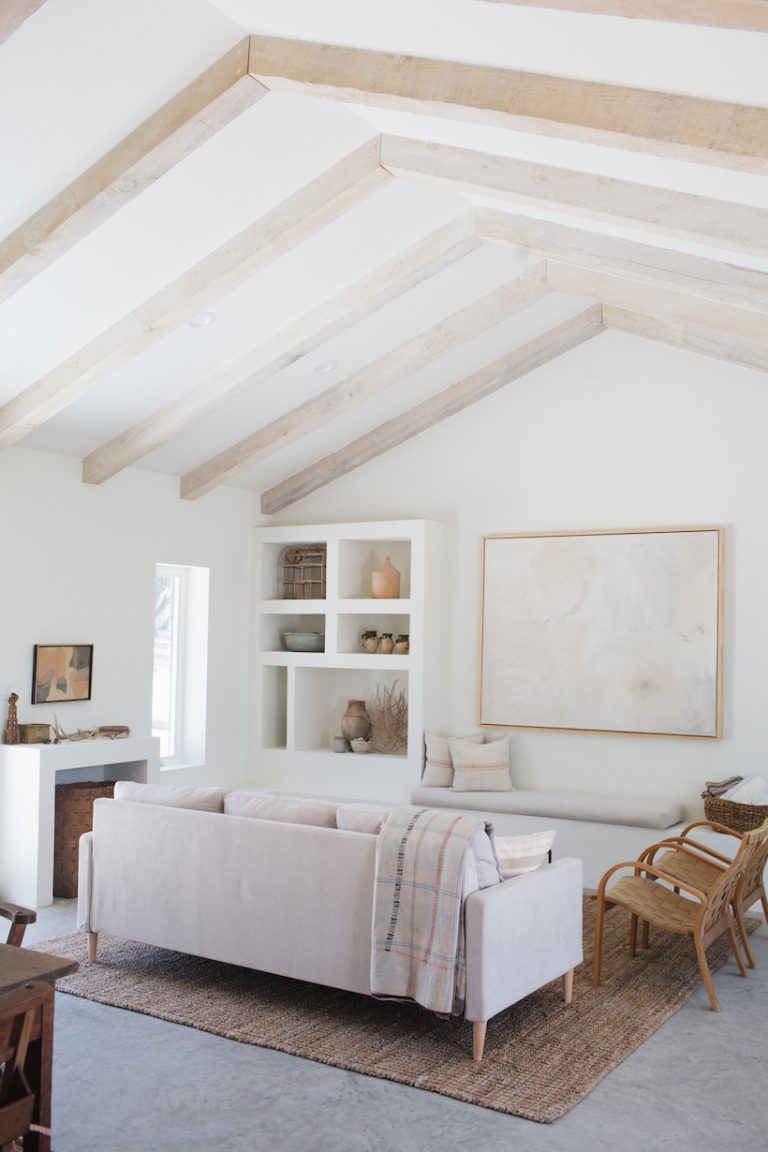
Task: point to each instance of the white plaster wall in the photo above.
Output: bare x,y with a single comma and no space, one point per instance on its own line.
77,565
620,433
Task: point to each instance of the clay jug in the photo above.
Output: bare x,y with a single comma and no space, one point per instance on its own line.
356,723
385,581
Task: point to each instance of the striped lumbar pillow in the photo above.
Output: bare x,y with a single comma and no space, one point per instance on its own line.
438,768
480,769
519,854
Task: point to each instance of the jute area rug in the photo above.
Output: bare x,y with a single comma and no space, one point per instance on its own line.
541,1056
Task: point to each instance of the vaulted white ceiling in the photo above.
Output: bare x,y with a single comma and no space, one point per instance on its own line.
362,218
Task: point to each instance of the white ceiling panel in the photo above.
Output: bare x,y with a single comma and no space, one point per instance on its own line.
80,74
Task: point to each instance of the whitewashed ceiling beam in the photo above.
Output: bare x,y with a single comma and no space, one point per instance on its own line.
322,200
747,15
194,115
660,123
658,299
369,381
440,248
13,13
644,262
692,337
426,415
701,219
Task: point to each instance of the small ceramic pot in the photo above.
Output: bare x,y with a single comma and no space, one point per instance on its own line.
360,745
340,744
402,644
386,643
370,641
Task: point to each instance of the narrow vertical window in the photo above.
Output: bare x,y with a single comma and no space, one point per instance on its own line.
180,674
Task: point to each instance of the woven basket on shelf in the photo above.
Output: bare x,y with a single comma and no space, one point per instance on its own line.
73,816
739,817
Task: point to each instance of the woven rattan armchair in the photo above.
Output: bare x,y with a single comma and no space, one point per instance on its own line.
652,895
685,858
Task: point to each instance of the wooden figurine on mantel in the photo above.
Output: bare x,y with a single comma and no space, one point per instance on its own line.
11,734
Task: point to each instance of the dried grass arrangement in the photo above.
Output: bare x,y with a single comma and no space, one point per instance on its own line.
388,710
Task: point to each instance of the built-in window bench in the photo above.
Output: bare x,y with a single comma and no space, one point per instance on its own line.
601,830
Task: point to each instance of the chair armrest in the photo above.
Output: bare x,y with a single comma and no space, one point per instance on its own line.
19,918
713,825
684,845
522,934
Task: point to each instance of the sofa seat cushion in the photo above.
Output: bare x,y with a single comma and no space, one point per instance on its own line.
287,809
171,795
637,811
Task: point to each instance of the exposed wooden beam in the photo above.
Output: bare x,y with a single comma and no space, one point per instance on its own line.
404,271
374,378
660,123
692,337
321,200
748,15
645,262
13,13
694,218
439,407
660,300
190,118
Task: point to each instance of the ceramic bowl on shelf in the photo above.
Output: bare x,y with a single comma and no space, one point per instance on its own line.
360,745
304,641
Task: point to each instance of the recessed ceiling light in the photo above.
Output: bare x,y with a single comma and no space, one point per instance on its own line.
327,366
201,320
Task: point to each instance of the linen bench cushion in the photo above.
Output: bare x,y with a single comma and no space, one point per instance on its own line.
636,811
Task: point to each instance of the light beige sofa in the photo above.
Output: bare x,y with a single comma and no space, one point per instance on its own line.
296,900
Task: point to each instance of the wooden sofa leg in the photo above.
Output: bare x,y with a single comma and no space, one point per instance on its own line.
93,940
568,986
478,1039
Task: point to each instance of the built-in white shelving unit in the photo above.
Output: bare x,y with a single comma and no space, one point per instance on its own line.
301,696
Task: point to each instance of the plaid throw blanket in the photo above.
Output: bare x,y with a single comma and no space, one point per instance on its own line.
418,917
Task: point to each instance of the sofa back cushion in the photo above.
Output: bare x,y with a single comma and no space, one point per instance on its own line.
171,795
361,817
286,809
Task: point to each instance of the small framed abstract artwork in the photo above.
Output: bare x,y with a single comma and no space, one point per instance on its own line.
62,672
607,631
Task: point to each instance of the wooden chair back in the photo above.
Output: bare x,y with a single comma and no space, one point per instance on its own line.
753,848
18,1011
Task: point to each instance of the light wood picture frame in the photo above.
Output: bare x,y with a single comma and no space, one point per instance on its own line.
617,630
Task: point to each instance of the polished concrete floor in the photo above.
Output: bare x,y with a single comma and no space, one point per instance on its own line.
128,1083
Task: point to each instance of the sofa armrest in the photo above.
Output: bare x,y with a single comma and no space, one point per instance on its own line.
520,935
85,882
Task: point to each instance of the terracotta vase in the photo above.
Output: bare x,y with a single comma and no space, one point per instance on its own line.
385,581
386,643
356,723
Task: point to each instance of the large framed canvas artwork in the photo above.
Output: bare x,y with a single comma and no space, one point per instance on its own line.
612,631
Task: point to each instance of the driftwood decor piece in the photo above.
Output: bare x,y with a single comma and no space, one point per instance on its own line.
105,732
388,710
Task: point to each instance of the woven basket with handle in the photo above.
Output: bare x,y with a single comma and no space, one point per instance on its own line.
739,817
